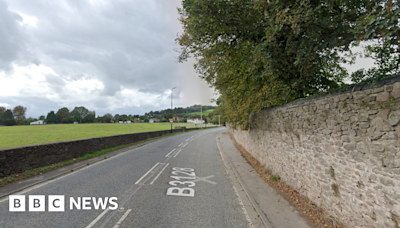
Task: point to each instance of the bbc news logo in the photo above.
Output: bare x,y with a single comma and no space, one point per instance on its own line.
56,203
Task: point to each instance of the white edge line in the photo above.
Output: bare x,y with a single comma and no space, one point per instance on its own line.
177,153
98,218
263,218
159,173
170,153
122,218
147,173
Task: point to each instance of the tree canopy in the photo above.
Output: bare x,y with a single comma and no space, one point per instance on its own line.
260,54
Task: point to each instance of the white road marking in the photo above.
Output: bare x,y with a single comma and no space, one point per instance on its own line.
147,173
185,145
98,218
170,153
122,218
205,179
177,153
180,144
159,174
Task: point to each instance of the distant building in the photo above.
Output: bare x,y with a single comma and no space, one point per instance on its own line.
75,122
128,121
121,122
195,121
151,121
39,122
138,121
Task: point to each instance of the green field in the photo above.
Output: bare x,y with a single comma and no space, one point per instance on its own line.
15,136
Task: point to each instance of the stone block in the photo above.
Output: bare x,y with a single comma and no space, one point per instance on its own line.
350,146
383,113
359,95
344,97
369,99
394,120
382,96
395,94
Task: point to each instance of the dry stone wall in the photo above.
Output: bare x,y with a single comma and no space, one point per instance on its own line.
342,151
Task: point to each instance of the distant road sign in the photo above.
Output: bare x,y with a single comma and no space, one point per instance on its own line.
171,119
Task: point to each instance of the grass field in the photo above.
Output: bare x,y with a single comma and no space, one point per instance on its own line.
36,134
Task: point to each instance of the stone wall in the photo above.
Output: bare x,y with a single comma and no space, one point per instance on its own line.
21,159
342,151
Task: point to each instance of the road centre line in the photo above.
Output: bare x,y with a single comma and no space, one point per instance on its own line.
170,152
159,174
147,173
180,144
177,153
98,218
122,218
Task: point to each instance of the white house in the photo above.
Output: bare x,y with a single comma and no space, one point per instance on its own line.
39,122
151,121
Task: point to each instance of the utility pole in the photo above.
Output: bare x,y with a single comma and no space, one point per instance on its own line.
201,117
172,112
219,123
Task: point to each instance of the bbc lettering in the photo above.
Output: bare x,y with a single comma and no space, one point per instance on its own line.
56,203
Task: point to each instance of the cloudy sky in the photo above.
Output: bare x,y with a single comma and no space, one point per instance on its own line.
109,56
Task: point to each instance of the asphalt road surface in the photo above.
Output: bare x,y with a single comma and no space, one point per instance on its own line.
178,181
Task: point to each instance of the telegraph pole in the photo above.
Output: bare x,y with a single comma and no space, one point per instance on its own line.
172,112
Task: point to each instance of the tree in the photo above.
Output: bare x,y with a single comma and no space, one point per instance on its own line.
107,118
117,117
8,118
89,118
52,117
79,113
42,117
19,114
2,110
63,112
260,54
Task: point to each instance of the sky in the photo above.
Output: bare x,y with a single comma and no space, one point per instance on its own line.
113,57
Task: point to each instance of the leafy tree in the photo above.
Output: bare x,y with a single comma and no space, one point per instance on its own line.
63,112
2,110
42,117
260,54
107,118
8,118
117,117
79,113
67,120
19,114
89,118
51,117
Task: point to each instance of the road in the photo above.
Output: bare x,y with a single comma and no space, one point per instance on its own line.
178,181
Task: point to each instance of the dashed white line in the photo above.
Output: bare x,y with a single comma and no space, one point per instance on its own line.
180,144
185,145
159,174
98,218
170,153
147,173
122,218
177,153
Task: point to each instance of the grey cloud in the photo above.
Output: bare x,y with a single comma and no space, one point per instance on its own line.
13,40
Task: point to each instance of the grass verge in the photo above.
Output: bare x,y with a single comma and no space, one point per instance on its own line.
30,173
313,212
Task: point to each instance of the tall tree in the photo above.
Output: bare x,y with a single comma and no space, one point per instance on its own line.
52,117
260,54
2,110
19,114
107,118
79,113
8,118
63,112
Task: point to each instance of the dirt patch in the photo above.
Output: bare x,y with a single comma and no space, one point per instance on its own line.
311,211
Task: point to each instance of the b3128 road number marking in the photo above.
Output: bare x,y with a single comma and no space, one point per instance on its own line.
185,186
